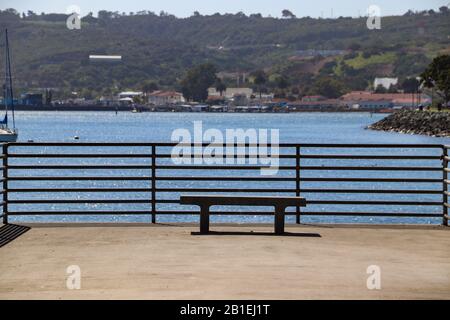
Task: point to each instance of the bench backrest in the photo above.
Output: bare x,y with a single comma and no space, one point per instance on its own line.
243,201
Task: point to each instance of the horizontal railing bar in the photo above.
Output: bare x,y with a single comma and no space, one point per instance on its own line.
75,155
142,167
78,167
83,144
447,193
61,213
303,156
389,180
172,144
371,191
77,201
79,178
224,156
343,168
233,213
201,167
223,167
368,157
98,178
387,203
350,202
373,214
294,179
159,178
447,158
302,190
447,205
225,190
447,169
58,190
288,213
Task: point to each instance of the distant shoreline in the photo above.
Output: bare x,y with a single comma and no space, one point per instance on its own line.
93,108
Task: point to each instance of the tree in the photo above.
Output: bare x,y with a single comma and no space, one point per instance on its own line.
197,81
410,85
354,46
282,82
149,86
437,75
104,15
329,87
260,79
220,86
393,89
380,89
444,10
48,97
288,14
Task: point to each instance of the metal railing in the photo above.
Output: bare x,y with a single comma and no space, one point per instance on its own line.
140,179
446,182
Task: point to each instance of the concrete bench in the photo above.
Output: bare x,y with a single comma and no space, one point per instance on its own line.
206,202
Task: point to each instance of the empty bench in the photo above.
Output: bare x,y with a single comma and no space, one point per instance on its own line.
279,203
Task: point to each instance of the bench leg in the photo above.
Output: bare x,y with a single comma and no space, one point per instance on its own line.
279,220
204,219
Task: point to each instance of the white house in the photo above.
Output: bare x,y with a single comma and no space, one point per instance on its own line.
385,82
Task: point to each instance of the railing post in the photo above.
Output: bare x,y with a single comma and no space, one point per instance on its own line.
153,184
5,183
297,181
445,185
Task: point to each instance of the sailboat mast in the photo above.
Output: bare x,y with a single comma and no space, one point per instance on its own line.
9,77
5,85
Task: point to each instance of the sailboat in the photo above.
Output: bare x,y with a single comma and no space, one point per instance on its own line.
8,134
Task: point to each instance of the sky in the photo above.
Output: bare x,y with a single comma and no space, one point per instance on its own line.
185,8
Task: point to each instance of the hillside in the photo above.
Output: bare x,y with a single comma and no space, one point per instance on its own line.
161,47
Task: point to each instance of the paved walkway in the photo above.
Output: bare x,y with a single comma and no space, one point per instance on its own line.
167,262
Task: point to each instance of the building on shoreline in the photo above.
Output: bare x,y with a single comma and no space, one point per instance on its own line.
160,97
230,93
369,100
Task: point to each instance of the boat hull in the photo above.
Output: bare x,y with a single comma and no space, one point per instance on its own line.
8,136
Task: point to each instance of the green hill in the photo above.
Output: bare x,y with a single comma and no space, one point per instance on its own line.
161,47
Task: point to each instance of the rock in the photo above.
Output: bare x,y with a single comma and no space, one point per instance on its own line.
416,122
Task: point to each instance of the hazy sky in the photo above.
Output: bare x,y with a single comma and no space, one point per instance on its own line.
183,8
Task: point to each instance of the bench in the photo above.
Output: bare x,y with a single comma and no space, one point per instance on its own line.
279,203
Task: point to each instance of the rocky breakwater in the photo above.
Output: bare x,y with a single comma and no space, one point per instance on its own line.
436,124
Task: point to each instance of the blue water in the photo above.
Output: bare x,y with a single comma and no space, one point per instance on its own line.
158,127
